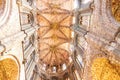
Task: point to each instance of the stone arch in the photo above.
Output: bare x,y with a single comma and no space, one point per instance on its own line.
5,8
108,10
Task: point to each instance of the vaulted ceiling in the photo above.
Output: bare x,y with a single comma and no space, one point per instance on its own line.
54,18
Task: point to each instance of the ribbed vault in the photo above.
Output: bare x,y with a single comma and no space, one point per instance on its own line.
54,18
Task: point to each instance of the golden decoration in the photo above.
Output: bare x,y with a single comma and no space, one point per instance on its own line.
54,26
8,69
102,69
116,9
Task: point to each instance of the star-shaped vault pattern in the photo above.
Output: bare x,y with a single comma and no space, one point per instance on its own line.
54,18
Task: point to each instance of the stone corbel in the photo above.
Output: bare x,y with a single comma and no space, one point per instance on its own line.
24,61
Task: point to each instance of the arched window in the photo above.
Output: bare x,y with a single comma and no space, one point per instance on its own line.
64,66
54,69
